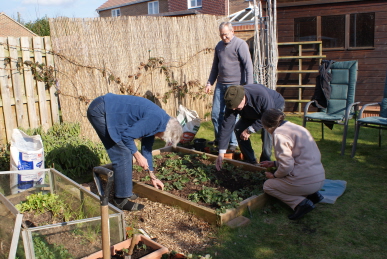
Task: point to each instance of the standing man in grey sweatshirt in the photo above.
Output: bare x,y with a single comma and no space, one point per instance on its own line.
232,65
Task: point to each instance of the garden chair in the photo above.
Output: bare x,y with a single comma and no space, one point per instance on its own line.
341,106
376,122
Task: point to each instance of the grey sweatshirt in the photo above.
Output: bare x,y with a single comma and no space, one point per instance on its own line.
232,63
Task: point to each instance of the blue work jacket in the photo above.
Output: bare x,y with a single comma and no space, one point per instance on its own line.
259,99
131,117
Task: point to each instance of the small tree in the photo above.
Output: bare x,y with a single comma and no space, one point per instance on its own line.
40,26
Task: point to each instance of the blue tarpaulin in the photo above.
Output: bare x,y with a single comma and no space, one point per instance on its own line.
332,190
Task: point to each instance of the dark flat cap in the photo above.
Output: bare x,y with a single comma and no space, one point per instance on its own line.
234,96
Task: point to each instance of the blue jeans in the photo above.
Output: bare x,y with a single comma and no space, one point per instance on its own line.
218,109
119,154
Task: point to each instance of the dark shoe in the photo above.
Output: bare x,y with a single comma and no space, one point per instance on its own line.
315,197
133,197
125,204
304,207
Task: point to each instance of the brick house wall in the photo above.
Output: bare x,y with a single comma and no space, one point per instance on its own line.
9,27
177,5
216,7
136,9
372,61
246,32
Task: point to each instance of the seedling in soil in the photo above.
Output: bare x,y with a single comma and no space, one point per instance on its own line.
194,177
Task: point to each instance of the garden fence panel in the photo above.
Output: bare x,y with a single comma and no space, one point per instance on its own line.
154,57
24,97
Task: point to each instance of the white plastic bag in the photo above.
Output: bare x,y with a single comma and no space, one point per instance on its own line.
190,121
27,153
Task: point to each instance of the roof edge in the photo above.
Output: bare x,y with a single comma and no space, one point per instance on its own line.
314,2
2,13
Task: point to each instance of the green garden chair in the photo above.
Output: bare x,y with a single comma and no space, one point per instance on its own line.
341,106
376,122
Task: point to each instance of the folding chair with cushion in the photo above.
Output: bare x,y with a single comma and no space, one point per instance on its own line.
377,122
341,106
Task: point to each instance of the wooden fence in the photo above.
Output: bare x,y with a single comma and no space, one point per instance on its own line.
26,100
161,58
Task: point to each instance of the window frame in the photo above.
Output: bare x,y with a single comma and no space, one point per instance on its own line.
196,6
346,32
152,3
116,12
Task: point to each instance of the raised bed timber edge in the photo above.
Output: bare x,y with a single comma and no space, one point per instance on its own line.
209,215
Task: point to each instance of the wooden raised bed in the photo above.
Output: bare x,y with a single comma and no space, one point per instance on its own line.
209,215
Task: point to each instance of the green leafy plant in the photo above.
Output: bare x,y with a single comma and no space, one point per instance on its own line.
41,203
43,250
178,170
40,26
70,153
60,208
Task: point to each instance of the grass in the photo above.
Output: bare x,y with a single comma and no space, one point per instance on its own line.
354,227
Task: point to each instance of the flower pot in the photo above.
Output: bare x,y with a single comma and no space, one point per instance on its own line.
228,155
238,156
157,254
200,144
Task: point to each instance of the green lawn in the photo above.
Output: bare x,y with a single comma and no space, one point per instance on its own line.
354,227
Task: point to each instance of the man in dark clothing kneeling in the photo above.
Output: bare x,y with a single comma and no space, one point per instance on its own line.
250,102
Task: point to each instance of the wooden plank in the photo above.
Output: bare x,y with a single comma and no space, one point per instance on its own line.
37,44
5,91
302,57
52,89
209,215
298,43
297,71
305,86
157,195
17,84
297,101
254,202
28,83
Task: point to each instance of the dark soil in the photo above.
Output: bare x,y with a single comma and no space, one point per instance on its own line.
138,252
230,177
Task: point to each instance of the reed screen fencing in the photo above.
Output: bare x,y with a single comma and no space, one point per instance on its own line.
165,59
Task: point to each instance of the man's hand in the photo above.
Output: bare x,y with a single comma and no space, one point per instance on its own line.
208,88
267,164
141,160
158,184
219,162
245,135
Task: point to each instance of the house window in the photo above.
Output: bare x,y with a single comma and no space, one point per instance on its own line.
153,7
333,31
194,3
116,12
348,31
305,29
361,30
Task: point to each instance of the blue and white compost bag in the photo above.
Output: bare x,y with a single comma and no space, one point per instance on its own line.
27,153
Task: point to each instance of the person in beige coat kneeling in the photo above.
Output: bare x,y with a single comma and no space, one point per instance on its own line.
300,174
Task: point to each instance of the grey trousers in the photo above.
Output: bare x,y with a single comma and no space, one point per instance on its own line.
290,194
